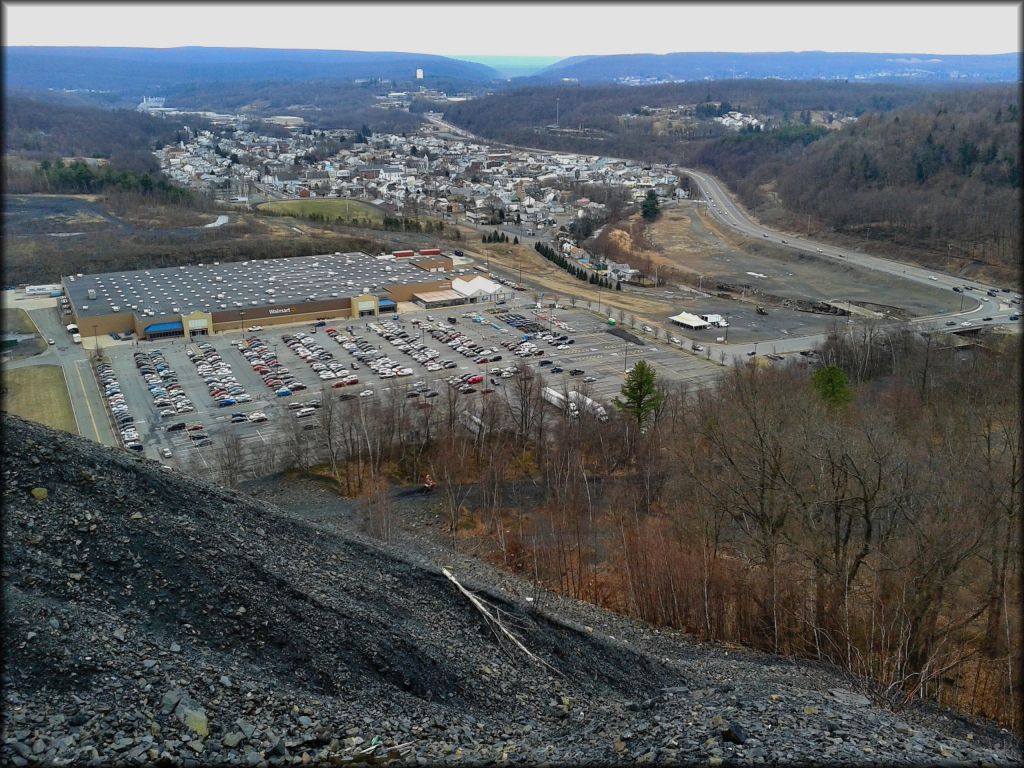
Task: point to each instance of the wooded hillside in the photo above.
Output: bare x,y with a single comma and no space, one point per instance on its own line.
43,127
935,171
942,175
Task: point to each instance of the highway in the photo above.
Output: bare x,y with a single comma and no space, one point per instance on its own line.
978,303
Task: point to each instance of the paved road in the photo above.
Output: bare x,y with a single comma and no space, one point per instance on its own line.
977,304
86,401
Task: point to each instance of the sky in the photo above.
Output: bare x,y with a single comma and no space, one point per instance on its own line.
526,29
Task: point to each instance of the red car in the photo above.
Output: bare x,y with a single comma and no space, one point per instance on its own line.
474,379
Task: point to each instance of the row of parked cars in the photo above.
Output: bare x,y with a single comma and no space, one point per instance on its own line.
194,431
118,408
522,323
320,360
265,363
406,343
218,376
162,382
465,346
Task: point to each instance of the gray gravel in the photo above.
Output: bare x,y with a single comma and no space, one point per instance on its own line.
154,618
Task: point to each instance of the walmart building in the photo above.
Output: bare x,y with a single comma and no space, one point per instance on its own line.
207,298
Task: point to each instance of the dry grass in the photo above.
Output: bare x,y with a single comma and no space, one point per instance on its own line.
554,280
343,209
39,393
18,321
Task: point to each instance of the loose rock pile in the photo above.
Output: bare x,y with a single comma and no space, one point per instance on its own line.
151,617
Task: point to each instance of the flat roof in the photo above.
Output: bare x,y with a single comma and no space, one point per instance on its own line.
444,295
240,285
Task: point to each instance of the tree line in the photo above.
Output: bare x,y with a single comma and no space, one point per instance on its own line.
864,511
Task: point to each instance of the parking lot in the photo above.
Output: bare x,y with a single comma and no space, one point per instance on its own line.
226,378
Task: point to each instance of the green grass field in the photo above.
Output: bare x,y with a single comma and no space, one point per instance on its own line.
39,393
346,210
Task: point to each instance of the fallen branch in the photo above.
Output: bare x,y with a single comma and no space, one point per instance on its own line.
494,622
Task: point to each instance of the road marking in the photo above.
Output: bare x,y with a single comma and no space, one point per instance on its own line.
85,397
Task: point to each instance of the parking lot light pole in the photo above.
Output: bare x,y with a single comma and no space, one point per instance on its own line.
726,327
625,355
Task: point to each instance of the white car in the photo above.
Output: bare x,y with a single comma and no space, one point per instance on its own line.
51,342
255,328
366,393
165,452
257,416
932,277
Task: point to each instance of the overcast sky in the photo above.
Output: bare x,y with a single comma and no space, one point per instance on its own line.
527,29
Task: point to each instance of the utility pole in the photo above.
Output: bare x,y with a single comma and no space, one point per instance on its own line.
556,112
625,354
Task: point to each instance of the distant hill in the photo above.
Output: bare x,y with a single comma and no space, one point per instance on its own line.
805,65
150,70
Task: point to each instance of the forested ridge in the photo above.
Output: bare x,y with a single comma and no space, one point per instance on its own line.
44,127
944,174
932,170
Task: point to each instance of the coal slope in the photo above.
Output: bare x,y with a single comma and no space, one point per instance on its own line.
154,618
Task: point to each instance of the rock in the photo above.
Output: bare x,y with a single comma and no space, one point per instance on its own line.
38,747
149,663
735,734
119,634
253,758
175,648
40,494
232,740
849,698
714,760
136,516
54,622
278,749
196,745
246,727
306,721
225,681
170,700
193,716
810,710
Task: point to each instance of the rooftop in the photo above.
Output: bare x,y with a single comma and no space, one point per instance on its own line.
237,285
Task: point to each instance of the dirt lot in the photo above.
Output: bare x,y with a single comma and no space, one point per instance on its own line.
692,243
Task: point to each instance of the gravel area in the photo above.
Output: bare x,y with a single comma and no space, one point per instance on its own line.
150,617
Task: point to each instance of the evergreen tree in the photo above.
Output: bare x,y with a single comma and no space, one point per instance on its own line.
641,398
649,208
833,386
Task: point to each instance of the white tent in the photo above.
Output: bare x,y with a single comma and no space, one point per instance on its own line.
688,320
477,288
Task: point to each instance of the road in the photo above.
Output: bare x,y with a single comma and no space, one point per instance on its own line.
86,401
977,304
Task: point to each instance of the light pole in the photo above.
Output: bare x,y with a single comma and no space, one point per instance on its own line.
96,342
241,322
625,355
726,327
